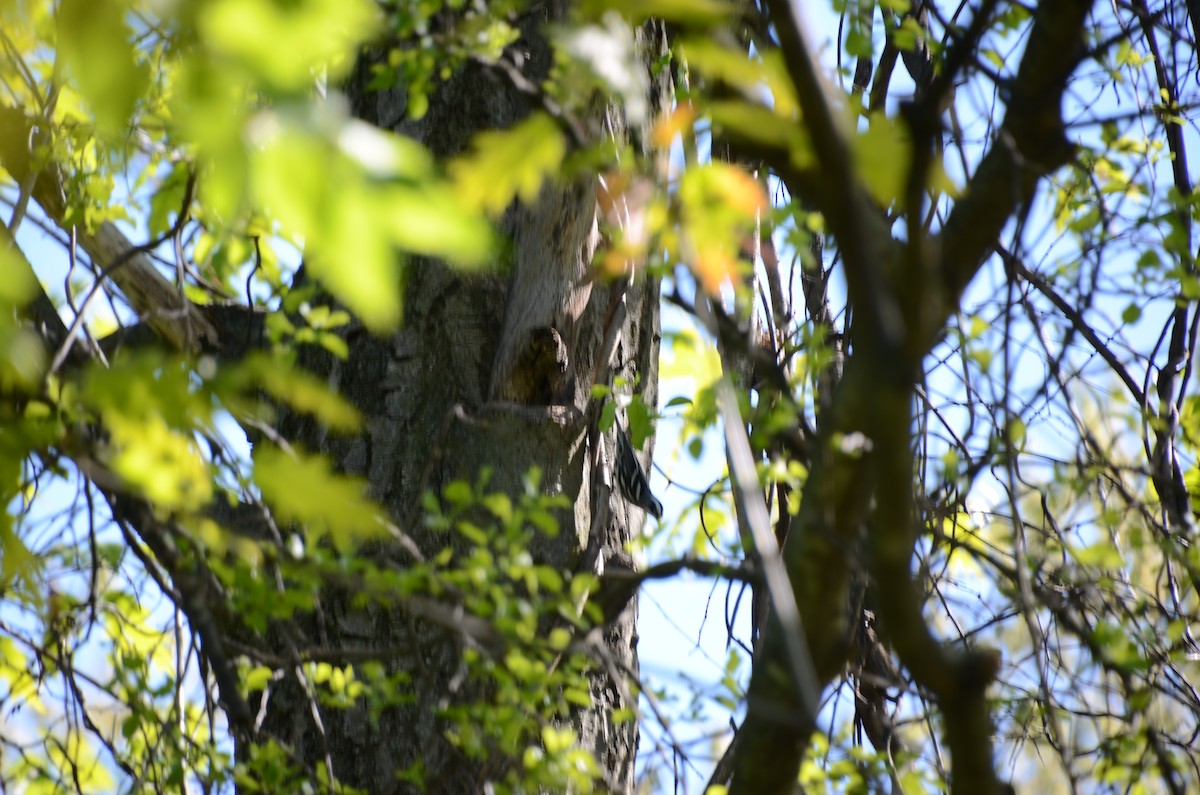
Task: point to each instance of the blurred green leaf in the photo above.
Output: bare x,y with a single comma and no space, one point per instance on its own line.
881,157
319,33
305,490
301,391
95,46
509,164
691,12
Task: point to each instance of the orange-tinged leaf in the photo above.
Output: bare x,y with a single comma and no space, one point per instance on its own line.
678,122
740,191
712,268
613,264
719,206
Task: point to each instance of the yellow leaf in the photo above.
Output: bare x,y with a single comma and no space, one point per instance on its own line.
302,392
130,627
724,189
16,559
739,190
80,757
15,673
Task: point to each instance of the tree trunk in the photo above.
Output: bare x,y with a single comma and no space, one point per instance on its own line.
436,408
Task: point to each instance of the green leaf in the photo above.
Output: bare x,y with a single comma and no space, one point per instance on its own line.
641,427
257,678
695,12
158,461
881,158
459,493
318,33
16,559
692,358
544,521
559,639
1117,648
499,505
168,200
509,164
305,490
577,696
18,285
556,740
549,579
993,57
756,123
1014,433
608,415
858,42
908,35
302,392
95,45
752,75
384,200
1102,555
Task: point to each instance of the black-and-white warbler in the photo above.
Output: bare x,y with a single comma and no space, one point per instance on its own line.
632,480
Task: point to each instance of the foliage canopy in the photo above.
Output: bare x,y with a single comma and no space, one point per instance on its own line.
930,401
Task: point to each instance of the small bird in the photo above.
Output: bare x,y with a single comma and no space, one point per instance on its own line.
632,480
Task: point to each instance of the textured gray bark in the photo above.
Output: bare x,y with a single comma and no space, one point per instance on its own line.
451,354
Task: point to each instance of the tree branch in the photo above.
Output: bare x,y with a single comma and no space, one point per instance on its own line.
865,243
1030,144
863,456
173,317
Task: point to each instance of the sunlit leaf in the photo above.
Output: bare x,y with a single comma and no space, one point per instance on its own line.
695,12
765,74
95,45
304,489
509,164
1102,554
319,33
608,50
691,358
159,462
354,243
302,392
720,204
756,123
